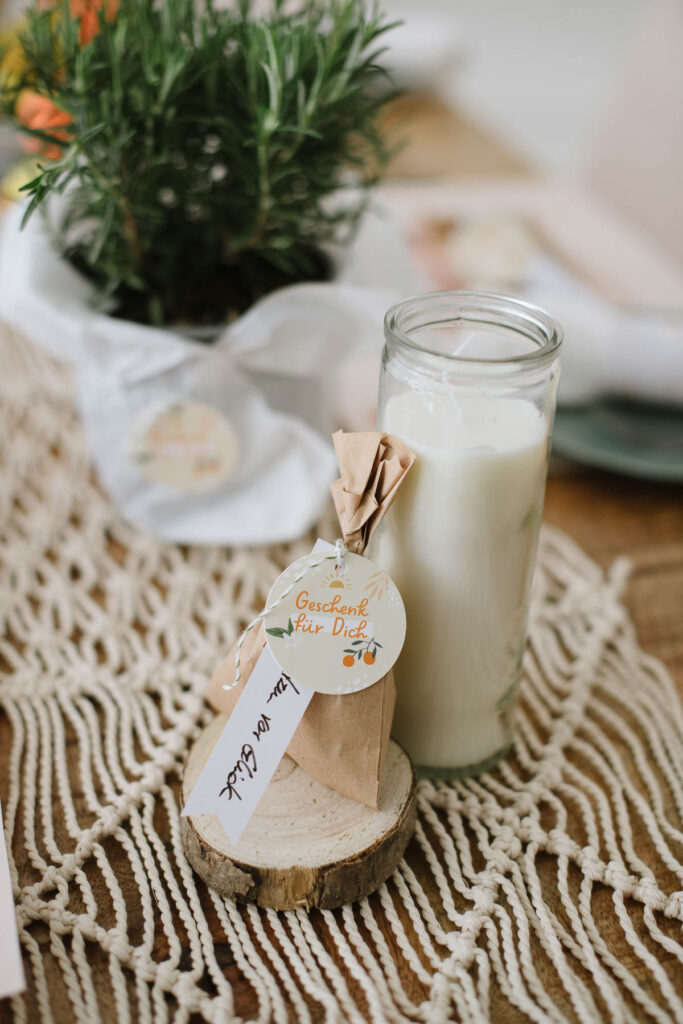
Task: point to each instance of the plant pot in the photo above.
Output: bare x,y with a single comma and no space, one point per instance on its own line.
198,442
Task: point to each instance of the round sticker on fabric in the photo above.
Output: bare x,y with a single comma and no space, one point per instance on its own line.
338,629
188,446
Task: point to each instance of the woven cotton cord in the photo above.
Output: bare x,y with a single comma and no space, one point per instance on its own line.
557,877
337,556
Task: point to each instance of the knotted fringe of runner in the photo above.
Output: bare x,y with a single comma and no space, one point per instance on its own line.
528,885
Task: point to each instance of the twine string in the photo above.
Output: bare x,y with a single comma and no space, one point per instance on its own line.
337,555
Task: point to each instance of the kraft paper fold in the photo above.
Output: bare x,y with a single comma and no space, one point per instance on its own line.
372,467
341,740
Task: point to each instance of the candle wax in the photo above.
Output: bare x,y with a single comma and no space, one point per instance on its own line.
460,543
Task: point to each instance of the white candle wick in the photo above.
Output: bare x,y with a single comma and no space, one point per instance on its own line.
463,344
451,390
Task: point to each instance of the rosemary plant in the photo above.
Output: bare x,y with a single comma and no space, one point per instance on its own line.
205,147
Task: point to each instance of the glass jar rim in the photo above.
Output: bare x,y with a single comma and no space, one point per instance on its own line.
514,314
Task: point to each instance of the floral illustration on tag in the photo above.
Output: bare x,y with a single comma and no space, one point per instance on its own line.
279,631
378,585
287,634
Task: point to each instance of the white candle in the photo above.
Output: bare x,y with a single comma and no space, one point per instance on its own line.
460,543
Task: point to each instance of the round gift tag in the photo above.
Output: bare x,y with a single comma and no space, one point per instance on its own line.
340,628
188,446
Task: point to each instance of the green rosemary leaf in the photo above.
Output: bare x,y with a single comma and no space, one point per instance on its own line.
205,145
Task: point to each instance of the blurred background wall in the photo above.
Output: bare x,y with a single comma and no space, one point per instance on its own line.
540,74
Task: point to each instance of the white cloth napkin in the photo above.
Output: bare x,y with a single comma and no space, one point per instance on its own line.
125,372
301,363
313,350
279,486
634,353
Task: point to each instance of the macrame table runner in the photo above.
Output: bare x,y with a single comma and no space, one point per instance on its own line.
550,887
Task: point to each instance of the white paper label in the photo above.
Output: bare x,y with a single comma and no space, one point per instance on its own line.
187,446
11,967
250,747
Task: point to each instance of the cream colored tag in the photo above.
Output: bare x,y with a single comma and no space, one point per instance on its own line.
340,628
188,446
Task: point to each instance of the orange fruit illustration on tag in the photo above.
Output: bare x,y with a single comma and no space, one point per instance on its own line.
365,650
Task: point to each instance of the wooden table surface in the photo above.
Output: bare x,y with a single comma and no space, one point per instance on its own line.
612,516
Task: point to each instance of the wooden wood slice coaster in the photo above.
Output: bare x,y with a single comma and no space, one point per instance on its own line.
305,845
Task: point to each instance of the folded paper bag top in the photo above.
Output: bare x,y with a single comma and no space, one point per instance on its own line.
341,740
373,466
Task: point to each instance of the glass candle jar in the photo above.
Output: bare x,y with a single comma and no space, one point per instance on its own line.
469,382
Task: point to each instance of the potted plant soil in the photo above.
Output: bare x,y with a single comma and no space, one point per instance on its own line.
194,160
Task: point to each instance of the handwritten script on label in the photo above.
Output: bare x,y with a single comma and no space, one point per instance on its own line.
250,747
246,765
281,686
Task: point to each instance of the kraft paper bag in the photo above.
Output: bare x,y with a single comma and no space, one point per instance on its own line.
342,740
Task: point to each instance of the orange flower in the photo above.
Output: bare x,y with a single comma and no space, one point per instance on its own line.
40,113
88,12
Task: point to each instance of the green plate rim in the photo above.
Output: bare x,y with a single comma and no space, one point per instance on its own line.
642,466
